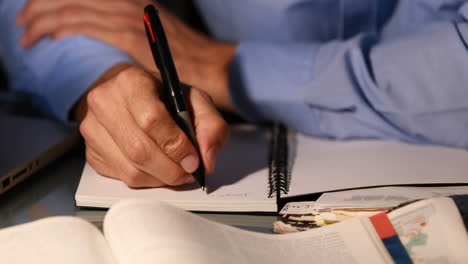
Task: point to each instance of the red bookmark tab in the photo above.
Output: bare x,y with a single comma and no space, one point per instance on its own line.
148,24
382,225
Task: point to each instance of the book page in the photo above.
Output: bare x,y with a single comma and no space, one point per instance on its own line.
54,240
325,165
155,232
384,197
240,182
432,231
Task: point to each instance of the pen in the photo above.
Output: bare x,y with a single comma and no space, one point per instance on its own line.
173,96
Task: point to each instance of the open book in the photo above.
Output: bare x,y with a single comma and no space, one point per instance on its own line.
241,181
432,231
154,232
145,231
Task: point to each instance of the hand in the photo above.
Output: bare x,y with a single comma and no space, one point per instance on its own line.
200,61
130,135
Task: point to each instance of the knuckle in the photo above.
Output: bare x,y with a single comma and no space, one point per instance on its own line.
152,117
137,152
85,129
128,75
149,120
176,146
94,98
133,178
133,81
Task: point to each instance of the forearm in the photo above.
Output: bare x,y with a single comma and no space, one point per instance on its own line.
55,74
412,88
80,108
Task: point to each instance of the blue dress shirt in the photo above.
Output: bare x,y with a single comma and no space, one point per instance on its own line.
53,73
331,68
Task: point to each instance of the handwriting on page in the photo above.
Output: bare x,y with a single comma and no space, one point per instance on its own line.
246,194
298,208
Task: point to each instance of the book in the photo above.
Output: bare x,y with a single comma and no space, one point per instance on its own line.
432,231
242,182
149,231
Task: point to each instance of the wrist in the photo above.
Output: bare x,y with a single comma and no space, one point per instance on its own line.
215,74
81,107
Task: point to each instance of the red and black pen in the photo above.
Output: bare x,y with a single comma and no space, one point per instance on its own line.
173,96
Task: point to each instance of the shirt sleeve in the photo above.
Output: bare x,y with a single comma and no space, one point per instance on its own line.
53,73
408,86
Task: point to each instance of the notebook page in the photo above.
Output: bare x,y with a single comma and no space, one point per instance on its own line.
152,232
240,182
54,240
324,165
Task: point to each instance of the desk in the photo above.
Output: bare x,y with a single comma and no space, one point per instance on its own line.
51,191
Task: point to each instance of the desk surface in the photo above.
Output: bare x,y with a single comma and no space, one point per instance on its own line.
51,191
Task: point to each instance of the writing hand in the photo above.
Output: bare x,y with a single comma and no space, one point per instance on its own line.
130,135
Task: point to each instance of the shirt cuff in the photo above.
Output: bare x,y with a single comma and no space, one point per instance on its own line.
62,99
73,65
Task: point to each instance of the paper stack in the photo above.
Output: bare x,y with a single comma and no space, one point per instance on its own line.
334,207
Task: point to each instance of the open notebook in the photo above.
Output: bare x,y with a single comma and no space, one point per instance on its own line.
241,180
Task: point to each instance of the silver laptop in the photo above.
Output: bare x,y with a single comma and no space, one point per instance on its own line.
28,144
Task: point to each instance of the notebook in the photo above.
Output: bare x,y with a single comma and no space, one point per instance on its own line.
242,182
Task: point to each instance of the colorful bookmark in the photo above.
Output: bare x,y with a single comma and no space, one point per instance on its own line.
390,238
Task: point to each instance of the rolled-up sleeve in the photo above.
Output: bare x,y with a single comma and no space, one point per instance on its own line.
53,73
411,86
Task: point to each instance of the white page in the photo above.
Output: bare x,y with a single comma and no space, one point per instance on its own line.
384,196
152,232
432,231
55,240
326,165
229,187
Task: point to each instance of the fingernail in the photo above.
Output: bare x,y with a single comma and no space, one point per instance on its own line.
212,154
189,179
190,163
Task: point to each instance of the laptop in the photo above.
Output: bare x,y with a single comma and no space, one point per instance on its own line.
28,144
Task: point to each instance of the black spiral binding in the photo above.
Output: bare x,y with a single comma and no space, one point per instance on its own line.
278,178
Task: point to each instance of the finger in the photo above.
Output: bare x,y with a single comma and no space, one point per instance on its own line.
211,129
52,22
134,143
152,117
105,157
34,8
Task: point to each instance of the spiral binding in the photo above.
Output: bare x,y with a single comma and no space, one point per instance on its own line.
278,177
